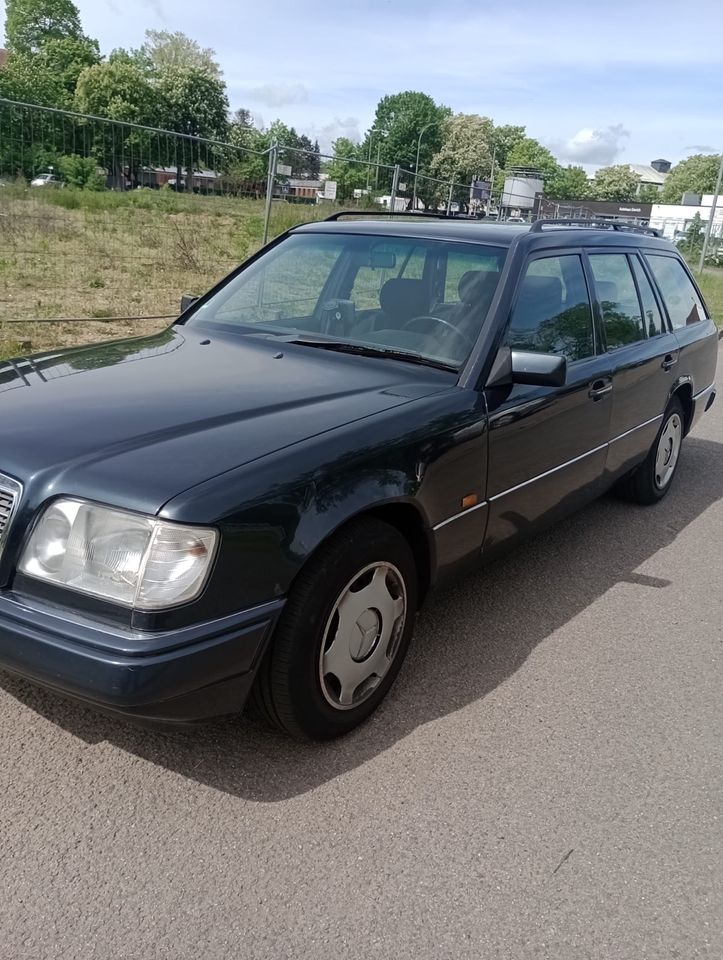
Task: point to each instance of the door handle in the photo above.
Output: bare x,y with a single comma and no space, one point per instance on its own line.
599,389
669,361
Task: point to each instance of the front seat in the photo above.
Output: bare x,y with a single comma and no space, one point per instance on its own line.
476,289
400,300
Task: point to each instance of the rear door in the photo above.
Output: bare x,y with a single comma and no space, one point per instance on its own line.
642,350
547,444
694,330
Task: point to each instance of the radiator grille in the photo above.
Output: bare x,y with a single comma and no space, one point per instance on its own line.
9,496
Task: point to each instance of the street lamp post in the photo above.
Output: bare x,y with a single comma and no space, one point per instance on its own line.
416,165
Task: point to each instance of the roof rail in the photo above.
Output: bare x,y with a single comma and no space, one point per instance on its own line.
621,226
388,213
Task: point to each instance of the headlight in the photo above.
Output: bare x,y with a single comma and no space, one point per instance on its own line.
137,561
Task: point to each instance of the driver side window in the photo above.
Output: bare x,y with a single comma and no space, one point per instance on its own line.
552,312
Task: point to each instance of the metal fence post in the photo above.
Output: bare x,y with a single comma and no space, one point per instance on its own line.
270,181
709,225
395,186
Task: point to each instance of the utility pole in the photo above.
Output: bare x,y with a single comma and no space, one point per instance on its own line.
492,182
369,167
449,198
416,165
270,180
395,184
709,225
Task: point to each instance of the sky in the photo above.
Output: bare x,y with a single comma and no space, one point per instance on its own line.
597,81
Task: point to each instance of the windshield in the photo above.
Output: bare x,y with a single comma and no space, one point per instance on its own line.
425,298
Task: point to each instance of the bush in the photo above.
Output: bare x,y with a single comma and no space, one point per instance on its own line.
80,172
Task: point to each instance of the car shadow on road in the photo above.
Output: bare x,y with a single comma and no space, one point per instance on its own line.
470,638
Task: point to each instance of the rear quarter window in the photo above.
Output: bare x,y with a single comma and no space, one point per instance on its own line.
681,298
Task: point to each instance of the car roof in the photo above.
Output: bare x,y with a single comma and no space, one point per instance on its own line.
499,234
472,231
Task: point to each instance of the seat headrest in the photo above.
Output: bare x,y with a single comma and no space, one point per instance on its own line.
404,299
542,288
476,283
607,290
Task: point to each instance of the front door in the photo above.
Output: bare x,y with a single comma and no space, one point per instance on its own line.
547,445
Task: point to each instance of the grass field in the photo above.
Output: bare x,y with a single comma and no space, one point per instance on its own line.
94,256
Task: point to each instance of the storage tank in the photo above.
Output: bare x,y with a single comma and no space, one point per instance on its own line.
520,192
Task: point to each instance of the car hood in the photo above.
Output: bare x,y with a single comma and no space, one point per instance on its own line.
135,422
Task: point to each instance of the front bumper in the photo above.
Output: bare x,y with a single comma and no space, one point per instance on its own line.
193,673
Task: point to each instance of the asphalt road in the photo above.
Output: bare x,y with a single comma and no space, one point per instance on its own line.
544,780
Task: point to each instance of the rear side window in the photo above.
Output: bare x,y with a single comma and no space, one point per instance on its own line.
552,312
618,298
683,303
651,312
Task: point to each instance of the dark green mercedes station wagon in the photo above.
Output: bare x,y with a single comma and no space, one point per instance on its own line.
255,502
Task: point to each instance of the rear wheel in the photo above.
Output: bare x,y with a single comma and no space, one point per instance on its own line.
343,634
649,482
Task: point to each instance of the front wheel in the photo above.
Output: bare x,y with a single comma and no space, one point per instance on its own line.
649,482
343,634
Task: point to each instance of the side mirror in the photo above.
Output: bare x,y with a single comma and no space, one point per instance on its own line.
538,369
187,301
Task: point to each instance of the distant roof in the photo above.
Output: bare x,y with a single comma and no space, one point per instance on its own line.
647,173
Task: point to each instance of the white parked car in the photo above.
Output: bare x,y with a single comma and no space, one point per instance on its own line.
46,180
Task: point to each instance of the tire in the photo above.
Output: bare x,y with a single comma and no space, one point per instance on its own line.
649,482
350,610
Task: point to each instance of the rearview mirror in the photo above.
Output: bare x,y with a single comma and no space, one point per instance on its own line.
382,259
538,369
188,300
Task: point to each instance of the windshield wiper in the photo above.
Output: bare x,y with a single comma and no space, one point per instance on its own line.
369,350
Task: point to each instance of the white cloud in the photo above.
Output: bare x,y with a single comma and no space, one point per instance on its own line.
279,94
327,133
593,146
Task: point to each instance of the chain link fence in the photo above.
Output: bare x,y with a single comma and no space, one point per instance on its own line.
105,223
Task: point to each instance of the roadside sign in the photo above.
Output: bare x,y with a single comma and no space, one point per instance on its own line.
330,189
283,169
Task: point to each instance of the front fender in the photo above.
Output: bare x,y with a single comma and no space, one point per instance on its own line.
274,513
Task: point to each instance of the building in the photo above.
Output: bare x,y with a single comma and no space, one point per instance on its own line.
675,218
651,174
629,211
3,57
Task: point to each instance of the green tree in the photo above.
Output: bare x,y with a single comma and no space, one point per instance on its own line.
193,103
617,182
81,172
466,151
25,79
66,58
696,174
31,141
29,24
693,242
164,50
649,193
119,90
529,153
244,167
571,183
504,139
399,120
348,176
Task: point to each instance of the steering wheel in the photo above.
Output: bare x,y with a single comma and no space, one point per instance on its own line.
445,323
